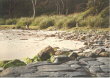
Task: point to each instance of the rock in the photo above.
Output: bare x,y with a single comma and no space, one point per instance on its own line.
54,68
63,51
1,69
105,68
104,54
72,62
95,69
78,74
14,63
38,74
89,54
73,56
105,60
40,63
103,75
81,54
99,50
61,59
46,53
9,72
94,63
83,38
75,66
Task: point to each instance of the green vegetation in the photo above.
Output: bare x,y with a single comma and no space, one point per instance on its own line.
14,63
83,19
11,63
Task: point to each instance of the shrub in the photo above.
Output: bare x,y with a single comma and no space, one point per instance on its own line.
105,12
70,23
37,20
24,21
59,23
11,21
94,21
2,21
45,23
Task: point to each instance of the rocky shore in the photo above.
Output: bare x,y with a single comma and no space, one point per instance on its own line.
90,60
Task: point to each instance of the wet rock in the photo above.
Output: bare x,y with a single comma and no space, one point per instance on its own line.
46,53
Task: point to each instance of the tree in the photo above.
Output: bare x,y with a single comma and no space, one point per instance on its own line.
34,2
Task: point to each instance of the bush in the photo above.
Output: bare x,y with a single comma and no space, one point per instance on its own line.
45,23
59,23
94,21
105,12
70,23
37,20
2,21
24,21
11,21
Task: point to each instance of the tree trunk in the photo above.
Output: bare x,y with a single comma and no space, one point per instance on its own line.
34,7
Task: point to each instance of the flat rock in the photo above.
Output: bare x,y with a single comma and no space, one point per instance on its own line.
95,69
95,63
105,60
103,75
55,68
105,68
75,66
72,62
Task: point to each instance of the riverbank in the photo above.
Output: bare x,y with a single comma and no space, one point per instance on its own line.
69,54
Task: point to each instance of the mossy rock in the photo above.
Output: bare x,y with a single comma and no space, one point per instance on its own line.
28,60
14,63
36,58
2,63
46,53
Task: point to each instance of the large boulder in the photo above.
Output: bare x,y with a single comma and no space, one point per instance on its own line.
14,63
46,53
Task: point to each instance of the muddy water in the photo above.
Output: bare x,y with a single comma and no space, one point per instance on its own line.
18,44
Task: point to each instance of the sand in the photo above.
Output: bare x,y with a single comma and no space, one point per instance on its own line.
19,44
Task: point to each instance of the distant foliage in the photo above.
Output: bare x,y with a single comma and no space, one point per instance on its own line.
2,21
11,21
